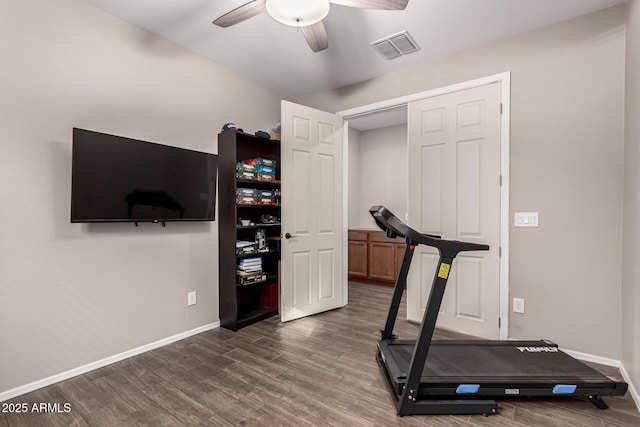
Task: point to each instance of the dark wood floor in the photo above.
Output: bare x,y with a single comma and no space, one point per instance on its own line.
316,371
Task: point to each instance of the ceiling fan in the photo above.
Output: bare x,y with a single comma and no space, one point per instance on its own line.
304,14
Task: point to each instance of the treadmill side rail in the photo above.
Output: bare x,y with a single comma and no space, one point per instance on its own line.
427,328
453,407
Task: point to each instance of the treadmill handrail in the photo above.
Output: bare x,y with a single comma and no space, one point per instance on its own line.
390,224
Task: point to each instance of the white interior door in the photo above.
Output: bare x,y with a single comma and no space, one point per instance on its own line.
312,211
454,191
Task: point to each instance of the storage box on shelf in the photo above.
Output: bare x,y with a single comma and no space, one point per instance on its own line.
249,228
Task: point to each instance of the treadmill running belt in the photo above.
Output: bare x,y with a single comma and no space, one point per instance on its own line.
469,363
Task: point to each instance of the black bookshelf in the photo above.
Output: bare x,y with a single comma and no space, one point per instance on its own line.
242,304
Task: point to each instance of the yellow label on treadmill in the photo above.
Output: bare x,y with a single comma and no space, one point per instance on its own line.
444,271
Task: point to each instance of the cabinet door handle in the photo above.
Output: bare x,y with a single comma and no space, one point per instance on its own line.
288,236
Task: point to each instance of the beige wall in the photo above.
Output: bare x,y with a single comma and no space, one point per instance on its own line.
566,163
382,175
71,294
631,235
353,169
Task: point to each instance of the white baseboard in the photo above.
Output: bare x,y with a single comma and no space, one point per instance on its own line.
633,391
27,388
592,358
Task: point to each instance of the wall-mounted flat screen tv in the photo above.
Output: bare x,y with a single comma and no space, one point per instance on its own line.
117,179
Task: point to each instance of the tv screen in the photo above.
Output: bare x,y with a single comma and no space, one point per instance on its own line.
117,179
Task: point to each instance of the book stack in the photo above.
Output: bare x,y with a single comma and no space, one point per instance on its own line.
250,271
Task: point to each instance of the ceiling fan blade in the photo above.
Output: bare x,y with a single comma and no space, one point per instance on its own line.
241,13
316,36
373,4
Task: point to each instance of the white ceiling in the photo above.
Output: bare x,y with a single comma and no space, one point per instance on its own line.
278,56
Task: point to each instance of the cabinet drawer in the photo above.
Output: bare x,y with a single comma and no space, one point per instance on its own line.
358,235
379,236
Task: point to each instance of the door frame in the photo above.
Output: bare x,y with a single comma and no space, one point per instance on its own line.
504,79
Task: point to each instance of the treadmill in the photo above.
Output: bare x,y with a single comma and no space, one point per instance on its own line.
458,377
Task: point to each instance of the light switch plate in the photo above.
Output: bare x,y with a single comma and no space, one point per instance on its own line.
526,219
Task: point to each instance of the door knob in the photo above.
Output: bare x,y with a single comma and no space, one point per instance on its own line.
288,236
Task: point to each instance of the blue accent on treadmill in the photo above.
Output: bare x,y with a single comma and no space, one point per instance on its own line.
468,388
564,389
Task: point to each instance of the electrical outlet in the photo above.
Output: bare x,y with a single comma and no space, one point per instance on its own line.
191,298
518,305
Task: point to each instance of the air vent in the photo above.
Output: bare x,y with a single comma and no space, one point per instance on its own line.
395,45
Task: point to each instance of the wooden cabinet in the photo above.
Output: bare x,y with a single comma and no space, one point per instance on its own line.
245,298
381,261
373,257
357,255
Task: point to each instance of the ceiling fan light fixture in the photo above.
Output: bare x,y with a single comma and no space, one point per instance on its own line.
296,13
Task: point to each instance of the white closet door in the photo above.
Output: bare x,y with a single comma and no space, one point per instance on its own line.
454,191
